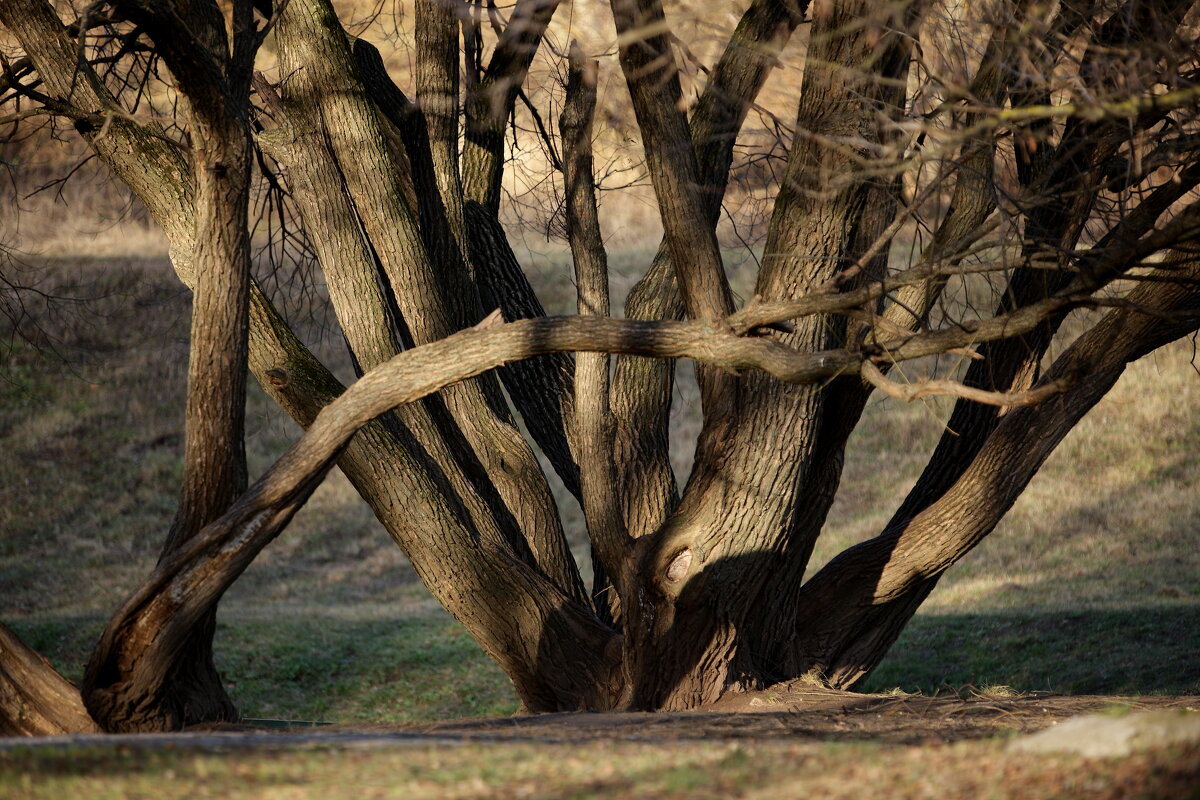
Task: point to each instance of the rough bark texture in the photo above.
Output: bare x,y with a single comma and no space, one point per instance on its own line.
34,699
641,389
725,551
484,453
593,421
1063,184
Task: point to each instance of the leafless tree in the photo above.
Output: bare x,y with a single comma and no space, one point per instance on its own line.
1050,149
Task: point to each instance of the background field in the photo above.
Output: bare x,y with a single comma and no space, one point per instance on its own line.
1091,584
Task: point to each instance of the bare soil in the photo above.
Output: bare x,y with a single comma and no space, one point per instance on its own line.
798,743
817,714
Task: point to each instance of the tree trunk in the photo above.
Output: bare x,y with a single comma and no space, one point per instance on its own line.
718,574
214,76
34,699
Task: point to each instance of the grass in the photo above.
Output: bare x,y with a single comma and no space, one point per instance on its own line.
693,770
1091,584
1135,650
379,671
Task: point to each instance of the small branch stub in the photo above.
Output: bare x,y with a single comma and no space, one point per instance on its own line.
492,320
679,566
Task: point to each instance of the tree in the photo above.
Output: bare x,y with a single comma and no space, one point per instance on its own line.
1048,150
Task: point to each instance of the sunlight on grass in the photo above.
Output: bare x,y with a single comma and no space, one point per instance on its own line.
692,770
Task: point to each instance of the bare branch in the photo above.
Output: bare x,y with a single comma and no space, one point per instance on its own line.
650,71
437,95
908,392
653,80
594,424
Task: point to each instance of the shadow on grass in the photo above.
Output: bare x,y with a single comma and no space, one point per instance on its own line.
1138,650
323,668
376,671
418,670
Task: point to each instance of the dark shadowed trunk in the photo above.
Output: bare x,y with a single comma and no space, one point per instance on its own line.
213,72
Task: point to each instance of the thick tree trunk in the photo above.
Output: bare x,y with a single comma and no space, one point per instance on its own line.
468,431
214,75
714,572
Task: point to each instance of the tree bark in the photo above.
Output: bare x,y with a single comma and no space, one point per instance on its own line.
431,303
641,388
1063,182
724,552
489,103
34,699
593,421
214,76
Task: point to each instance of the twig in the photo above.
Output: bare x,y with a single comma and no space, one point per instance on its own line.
909,392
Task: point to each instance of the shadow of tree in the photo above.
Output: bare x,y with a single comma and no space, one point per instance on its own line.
1139,650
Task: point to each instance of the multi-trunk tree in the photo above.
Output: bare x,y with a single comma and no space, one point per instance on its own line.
1048,151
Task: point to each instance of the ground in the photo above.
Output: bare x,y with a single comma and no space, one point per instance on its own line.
806,742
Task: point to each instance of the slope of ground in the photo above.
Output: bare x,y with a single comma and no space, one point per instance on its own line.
802,744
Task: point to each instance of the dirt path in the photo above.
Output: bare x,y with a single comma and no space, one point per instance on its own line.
805,743
817,715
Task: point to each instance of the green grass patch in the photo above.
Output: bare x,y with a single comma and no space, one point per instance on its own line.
1149,650
381,671
328,669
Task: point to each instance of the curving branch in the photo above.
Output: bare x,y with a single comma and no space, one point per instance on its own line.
908,392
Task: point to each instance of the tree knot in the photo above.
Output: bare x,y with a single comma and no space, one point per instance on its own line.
678,567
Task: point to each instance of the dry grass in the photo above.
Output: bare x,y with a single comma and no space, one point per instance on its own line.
598,770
